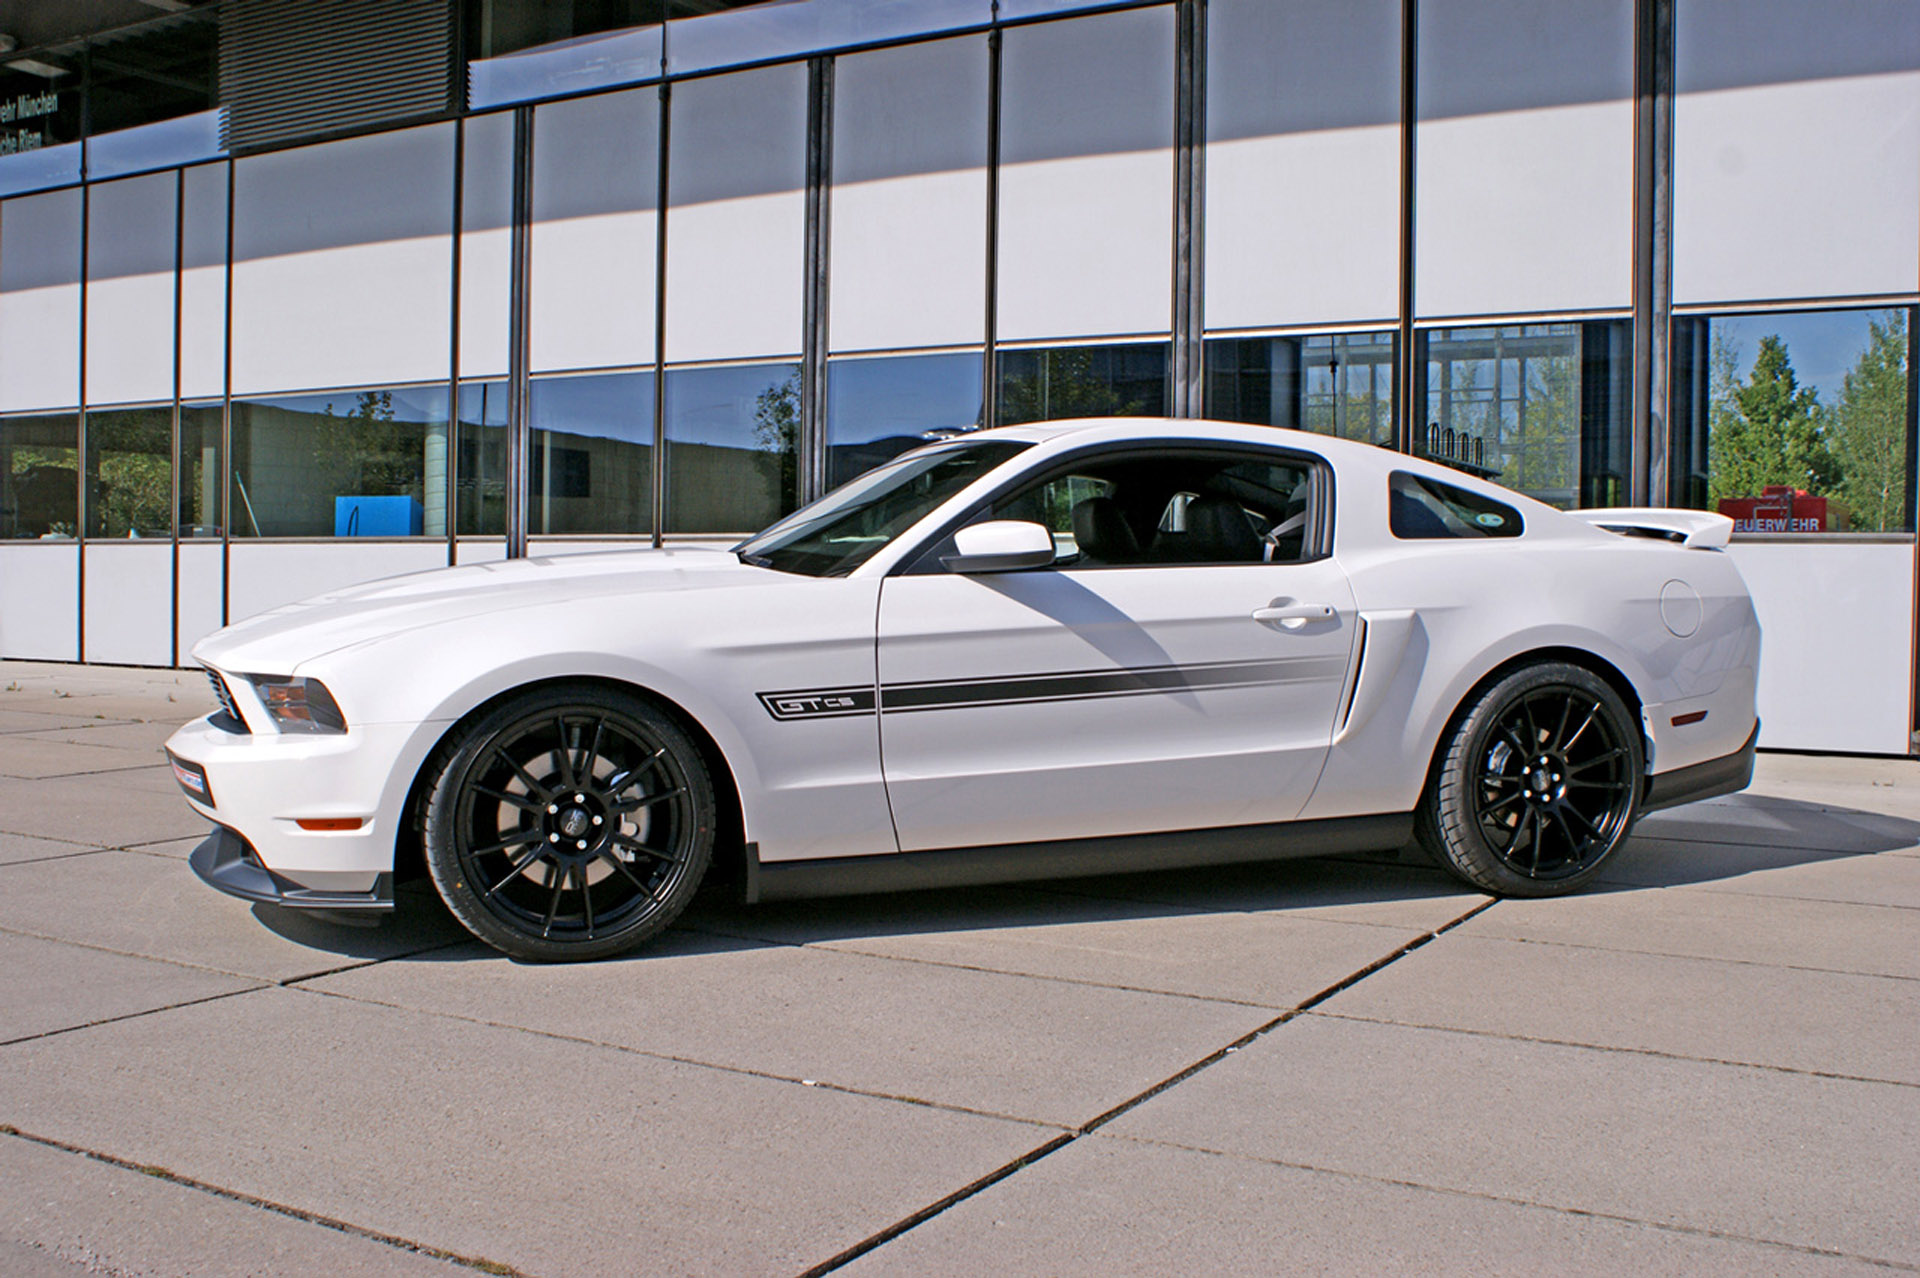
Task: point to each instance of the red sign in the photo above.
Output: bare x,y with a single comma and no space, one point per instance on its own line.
1780,509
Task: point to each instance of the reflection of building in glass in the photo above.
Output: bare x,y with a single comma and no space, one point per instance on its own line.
565,275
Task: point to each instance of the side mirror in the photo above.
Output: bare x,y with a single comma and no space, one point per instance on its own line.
1000,545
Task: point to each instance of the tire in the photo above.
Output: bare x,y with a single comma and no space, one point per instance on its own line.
569,823
1536,784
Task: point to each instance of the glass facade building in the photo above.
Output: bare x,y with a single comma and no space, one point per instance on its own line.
643,270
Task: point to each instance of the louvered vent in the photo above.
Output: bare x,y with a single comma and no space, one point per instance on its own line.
291,70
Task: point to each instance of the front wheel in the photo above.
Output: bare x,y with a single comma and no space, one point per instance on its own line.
570,823
1536,785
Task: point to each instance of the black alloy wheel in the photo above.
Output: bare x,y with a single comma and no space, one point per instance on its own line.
570,823
1537,785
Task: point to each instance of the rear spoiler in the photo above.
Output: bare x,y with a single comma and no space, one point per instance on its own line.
1688,527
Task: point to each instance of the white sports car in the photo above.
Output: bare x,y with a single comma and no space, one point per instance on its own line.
1029,652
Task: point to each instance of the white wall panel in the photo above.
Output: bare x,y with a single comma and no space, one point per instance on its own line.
1086,183
343,259
40,301
202,582
909,214
270,574
480,550
486,245
736,223
130,283
40,602
129,603
1524,195
1796,128
595,185
203,284
1303,162
1836,647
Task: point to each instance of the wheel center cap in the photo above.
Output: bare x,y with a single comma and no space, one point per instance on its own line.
575,822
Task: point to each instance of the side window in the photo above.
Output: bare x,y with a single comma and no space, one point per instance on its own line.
1171,508
1421,509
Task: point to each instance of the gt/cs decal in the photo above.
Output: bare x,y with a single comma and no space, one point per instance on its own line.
818,703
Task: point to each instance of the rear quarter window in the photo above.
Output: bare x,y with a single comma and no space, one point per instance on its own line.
1421,509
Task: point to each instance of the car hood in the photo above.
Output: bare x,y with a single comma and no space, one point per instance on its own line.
277,641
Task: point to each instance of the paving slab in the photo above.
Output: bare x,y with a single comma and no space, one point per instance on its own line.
1101,1207
154,907
1408,895
71,1214
1046,1051
31,756
1887,785
1700,923
1268,959
108,811
179,849
551,1156
1647,861
48,985
21,847
149,736
1881,878
14,719
1708,1009
1755,1153
1773,821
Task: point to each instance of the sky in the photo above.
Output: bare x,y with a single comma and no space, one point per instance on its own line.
1822,345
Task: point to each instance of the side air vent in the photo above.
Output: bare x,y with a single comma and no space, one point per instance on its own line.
293,71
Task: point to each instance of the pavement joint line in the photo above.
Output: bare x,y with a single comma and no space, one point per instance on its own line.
479,1263
1589,1213
1654,1052
91,772
133,1016
54,856
691,1061
266,982
1790,896
1698,958
932,1210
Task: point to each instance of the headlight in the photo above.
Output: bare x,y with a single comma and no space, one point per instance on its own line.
298,705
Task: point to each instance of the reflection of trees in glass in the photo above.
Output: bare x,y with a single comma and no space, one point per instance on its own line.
1521,397
1062,384
363,447
776,428
1867,429
132,482
1766,429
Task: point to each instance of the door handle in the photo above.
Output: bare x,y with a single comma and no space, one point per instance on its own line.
1294,616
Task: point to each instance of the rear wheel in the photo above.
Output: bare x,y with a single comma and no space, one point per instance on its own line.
570,823
1536,785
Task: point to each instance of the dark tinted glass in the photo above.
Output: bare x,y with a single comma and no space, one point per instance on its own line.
1426,510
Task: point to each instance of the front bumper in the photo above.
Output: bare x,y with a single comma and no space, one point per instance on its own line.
227,862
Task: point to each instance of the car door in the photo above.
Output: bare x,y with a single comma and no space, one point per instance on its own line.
1161,675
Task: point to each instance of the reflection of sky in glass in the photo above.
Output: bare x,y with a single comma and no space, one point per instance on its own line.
720,405
181,140
409,404
1823,345
616,406
869,399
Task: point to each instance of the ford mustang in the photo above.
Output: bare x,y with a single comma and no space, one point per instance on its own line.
1029,652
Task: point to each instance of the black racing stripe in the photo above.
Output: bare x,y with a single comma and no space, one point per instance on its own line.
818,703
1082,685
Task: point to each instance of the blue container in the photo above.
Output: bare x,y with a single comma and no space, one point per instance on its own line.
376,517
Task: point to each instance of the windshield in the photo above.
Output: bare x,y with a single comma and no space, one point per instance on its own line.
844,529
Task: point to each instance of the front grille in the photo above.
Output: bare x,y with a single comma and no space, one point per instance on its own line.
228,711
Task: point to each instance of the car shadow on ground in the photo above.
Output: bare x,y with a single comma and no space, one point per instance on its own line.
1702,843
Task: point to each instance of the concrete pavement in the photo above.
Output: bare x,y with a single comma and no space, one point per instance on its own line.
1710,1064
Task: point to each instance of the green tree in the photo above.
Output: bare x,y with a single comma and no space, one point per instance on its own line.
1062,384
1868,427
776,427
1767,429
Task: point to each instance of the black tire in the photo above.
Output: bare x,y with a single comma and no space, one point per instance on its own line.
1536,785
569,822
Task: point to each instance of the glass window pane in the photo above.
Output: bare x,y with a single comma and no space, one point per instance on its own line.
732,447
343,257
39,476
909,224
130,282
1333,383
353,463
200,469
879,408
742,33
1303,161
1791,121
152,94
40,114
595,184
591,468
40,301
203,283
1083,381
736,229
1525,180
1086,178
1804,419
129,472
1540,408
480,502
524,50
